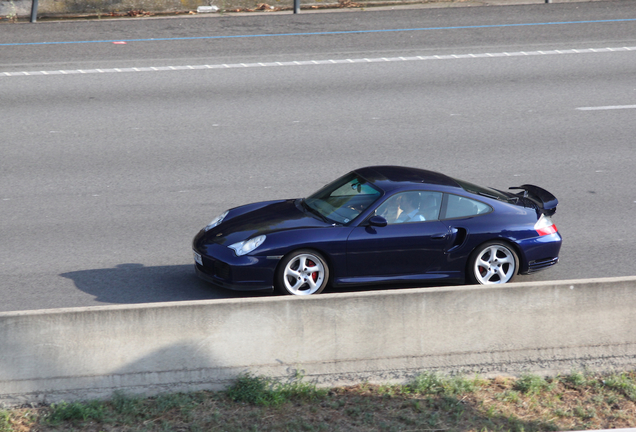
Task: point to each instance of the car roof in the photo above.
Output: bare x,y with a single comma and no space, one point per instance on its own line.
388,177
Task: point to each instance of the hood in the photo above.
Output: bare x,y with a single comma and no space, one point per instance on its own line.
266,219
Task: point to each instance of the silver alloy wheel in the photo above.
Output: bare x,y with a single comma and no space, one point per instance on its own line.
494,264
304,274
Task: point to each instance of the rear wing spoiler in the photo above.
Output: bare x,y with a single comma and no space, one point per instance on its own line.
545,201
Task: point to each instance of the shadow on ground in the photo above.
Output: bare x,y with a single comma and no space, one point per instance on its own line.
136,283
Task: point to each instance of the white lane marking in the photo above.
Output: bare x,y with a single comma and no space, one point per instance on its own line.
320,62
611,107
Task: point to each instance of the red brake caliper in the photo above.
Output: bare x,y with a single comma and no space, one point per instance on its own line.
483,270
314,275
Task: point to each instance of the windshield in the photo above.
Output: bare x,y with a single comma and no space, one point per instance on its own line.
342,200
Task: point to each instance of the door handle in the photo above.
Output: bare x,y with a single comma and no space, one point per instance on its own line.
440,236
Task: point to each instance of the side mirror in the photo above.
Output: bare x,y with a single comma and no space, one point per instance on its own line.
377,221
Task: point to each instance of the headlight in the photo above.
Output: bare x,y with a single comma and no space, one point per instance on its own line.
247,246
217,220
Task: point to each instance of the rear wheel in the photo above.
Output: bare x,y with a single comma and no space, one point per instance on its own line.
493,263
302,272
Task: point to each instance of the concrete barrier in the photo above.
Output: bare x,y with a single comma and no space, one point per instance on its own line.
334,339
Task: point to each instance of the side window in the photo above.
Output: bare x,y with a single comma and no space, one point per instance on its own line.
457,206
412,206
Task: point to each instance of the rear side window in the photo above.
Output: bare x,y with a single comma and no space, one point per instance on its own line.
458,206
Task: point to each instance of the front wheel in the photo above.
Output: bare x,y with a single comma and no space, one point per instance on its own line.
302,272
492,263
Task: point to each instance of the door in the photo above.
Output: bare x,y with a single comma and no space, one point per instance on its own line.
396,249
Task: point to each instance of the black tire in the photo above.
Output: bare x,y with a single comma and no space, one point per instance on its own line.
494,262
302,272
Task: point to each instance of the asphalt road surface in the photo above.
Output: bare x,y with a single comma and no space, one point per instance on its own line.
120,139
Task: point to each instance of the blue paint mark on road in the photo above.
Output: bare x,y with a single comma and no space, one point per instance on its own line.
321,33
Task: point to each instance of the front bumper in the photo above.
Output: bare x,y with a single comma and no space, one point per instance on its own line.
220,266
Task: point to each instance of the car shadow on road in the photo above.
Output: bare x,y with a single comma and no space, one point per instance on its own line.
136,283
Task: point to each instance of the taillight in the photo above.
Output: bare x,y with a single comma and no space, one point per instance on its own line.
544,226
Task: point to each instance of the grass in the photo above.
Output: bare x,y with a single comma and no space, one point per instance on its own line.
431,402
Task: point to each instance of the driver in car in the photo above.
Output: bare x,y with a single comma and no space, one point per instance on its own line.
410,205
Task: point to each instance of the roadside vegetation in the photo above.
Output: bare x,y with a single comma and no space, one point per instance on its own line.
431,402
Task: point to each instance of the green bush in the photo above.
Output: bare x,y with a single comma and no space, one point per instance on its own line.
430,383
266,391
531,384
576,379
5,424
63,411
427,383
623,383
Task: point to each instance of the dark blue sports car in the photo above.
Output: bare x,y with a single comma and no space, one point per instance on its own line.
381,225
